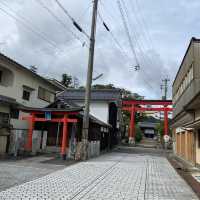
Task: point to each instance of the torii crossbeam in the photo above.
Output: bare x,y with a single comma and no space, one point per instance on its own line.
134,106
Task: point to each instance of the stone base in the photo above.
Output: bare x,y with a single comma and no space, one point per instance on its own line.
131,141
82,150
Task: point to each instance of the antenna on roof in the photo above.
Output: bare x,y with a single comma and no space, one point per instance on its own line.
33,68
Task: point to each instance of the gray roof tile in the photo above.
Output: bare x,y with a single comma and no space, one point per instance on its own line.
96,94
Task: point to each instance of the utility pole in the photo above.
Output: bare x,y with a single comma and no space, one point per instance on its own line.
166,80
84,153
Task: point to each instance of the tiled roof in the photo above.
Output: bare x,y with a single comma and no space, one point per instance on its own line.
96,94
71,109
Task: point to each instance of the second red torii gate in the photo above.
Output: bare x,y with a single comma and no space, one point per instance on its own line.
133,106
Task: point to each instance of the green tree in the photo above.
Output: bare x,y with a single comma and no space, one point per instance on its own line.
66,80
160,128
99,86
138,134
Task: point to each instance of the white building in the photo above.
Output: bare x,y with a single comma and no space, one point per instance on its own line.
21,86
105,105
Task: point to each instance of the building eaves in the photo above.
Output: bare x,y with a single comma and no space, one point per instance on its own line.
57,84
191,41
96,120
9,100
29,109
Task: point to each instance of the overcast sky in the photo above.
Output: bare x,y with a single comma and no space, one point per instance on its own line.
160,32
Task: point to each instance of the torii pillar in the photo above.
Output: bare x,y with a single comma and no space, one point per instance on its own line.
166,121
65,138
132,126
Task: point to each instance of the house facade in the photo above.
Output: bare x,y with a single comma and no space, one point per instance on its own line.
186,101
105,105
21,86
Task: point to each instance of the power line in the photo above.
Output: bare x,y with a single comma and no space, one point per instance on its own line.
77,26
147,36
126,27
117,43
134,33
26,23
28,27
141,22
59,21
115,19
120,47
127,32
144,23
140,45
114,38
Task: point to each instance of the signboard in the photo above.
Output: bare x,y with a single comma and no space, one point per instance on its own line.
166,138
48,115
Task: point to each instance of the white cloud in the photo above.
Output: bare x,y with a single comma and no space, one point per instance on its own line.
170,28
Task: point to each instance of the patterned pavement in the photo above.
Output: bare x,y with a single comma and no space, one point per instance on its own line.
114,176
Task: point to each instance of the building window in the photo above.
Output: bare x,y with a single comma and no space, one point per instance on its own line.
4,118
26,95
198,138
44,94
1,73
14,113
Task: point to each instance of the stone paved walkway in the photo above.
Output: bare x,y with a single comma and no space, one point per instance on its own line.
113,176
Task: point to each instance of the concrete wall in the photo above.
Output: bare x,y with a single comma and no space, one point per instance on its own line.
187,62
192,58
18,140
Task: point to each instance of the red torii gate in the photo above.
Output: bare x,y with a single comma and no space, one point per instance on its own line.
61,116
133,106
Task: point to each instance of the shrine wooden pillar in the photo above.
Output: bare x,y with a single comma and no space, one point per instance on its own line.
132,126
30,132
64,137
166,127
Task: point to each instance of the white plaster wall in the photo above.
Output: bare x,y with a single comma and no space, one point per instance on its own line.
100,110
21,78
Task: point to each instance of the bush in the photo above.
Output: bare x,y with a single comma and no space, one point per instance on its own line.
138,136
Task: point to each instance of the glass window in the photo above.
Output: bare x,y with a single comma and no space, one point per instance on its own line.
1,73
26,95
4,118
44,94
14,113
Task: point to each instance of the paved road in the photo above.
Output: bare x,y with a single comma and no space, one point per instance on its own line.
112,176
13,172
